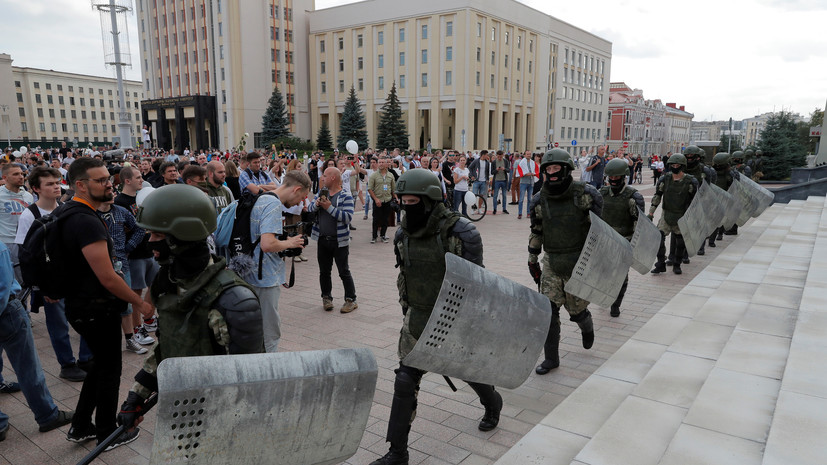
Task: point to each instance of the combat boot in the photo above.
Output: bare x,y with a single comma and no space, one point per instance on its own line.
660,267
403,408
551,347
702,251
584,321
721,233
676,268
493,403
733,231
394,457
615,312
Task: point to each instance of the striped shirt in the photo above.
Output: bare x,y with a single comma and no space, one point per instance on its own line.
341,211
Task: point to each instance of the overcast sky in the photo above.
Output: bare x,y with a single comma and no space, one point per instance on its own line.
719,58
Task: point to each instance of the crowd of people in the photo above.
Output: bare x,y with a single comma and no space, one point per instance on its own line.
147,228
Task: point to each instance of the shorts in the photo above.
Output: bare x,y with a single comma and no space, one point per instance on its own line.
480,188
143,271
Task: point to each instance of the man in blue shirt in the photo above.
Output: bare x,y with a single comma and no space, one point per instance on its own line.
266,225
17,341
255,179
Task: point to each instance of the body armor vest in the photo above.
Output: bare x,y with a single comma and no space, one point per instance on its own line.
677,196
566,225
616,210
185,316
724,179
423,256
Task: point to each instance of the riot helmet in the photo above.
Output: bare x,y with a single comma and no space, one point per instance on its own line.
737,157
677,159
721,161
556,157
693,155
178,210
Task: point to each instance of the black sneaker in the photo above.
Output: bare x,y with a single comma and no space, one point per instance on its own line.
3,433
125,438
71,372
82,434
63,418
9,388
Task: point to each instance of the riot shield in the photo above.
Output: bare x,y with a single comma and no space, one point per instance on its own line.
694,224
280,408
715,210
484,328
763,197
730,205
747,202
645,243
602,266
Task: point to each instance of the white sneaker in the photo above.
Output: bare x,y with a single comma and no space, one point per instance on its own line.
133,346
143,338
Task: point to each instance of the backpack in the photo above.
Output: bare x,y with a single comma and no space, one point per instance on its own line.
42,257
233,234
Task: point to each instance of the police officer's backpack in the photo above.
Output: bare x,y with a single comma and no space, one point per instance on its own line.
42,255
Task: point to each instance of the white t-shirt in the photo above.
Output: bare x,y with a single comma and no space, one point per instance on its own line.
346,180
145,135
462,185
25,223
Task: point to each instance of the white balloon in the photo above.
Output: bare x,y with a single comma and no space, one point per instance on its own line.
352,146
23,149
141,195
470,199
16,153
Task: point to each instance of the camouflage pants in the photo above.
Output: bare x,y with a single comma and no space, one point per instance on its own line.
553,285
667,229
406,340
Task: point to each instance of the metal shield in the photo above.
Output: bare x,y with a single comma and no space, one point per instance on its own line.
763,197
279,408
730,205
715,210
694,224
645,243
747,202
484,328
602,266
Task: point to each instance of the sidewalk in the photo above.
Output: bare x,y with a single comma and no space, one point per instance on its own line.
445,430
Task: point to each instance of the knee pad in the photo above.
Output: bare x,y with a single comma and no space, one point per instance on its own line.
407,381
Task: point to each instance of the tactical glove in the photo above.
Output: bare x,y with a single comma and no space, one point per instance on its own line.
131,410
651,217
219,328
535,270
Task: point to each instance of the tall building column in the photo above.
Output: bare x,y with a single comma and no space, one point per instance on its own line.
435,131
413,125
484,124
519,131
465,122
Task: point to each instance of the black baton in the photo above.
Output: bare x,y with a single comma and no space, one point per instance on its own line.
150,402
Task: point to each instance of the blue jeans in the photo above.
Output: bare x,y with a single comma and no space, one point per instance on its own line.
368,202
58,328
17,340
501,186
459,198
525,191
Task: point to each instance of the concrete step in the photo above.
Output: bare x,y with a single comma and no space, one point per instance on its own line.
645,391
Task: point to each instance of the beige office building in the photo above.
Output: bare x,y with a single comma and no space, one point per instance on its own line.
209,68
470,75
44,107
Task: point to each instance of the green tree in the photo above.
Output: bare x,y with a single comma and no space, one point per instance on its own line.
736,143
352,125
782,147
392,132
274,123
323,140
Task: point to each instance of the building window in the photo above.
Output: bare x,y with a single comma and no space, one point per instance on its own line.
323,67
479,53
505,83
321,46
478,78
75,127
492,81
361,84
40,113
16,83
506,37
449,28
448,78
519,41
518,86
401,58
75,114
52,112
54,127
518,64
24,127
324,87
424,79
424,31
341,86
341,43
360,64
381,82
449,54
401,81
380,61
22,111
529,87
85,128
380,38
529,65
341,65
506,61
359,40
19,97
564,113
531,45
402,34
493,33
37,98
493,59
37,85
42,127
424,56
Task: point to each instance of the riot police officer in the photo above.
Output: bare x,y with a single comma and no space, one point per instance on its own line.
621,204
703,173
203,308
676,189
560,223
725,177
737,159
428,231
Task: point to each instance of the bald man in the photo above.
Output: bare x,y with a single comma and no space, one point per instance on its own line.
335,207
218,192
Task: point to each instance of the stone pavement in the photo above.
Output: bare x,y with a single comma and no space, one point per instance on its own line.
445,430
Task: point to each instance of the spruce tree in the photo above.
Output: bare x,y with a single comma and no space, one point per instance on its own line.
323,140
782,147
352,125
274,123
392,131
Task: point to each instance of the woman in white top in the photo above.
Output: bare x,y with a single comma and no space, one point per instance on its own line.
277,171
434,166
461,174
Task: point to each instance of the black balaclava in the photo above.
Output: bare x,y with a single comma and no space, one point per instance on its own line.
692,161
186,259
416,215
617,184
676,170
557,183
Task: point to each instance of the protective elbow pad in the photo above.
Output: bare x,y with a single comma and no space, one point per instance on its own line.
241,310
466,232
